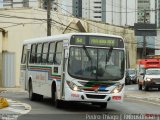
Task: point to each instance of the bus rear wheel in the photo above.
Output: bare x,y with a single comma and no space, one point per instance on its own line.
32,96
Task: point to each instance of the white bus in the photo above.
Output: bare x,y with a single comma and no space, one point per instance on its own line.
80,67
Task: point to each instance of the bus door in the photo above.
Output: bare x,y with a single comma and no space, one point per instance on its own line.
24,67
65,56
26,71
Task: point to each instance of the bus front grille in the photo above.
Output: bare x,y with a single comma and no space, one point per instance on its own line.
95,96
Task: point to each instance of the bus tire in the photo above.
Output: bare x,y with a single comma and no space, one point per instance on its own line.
32,96
101,105
57,103
39,97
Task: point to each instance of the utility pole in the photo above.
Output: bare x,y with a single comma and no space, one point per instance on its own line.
112,11
48,17
126,12
144,37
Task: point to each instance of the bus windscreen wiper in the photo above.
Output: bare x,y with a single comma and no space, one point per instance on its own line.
87,53
109,54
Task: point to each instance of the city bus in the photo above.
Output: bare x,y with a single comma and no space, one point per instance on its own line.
77,67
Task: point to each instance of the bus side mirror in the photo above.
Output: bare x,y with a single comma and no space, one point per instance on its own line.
66,55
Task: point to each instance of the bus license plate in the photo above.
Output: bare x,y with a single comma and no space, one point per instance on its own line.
116,97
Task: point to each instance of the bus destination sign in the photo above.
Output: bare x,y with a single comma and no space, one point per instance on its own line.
102,41
79,40
96,41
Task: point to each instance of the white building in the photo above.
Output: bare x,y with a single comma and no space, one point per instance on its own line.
116,12
65,7
18,3
92,9
121,12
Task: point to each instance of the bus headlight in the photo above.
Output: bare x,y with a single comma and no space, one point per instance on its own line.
118,88
148,79
73,86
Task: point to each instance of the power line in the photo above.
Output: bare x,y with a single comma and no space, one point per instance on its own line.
94,10
92,24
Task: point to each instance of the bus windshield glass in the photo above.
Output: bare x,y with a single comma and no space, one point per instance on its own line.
96,63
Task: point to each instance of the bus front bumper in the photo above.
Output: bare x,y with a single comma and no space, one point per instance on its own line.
93,97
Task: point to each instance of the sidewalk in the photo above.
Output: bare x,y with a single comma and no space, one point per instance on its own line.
16,89
15,107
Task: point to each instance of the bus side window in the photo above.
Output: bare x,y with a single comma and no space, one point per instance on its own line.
45,52
39,53
58,56
51,52
24,54
33,54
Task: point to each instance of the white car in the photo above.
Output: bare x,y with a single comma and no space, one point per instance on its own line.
150,79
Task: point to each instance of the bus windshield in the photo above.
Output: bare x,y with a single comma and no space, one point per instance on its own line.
96,63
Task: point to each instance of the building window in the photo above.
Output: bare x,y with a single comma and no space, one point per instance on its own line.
97,6
97,12
97,16
97,2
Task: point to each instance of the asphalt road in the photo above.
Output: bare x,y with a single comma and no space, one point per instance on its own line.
131,108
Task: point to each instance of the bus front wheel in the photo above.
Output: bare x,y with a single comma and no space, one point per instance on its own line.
57,103
101,105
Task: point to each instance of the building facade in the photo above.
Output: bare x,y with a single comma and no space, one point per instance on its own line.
148,12
92,9
77,8
17,3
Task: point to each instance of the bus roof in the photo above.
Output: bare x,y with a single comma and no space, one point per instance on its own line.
64,36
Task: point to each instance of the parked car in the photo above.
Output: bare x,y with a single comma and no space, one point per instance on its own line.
131,76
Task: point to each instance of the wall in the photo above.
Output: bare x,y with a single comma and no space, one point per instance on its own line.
0,58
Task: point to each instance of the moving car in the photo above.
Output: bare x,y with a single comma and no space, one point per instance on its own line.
151,79
148,75
131,76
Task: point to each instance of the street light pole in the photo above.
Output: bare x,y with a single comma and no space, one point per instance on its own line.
48,18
